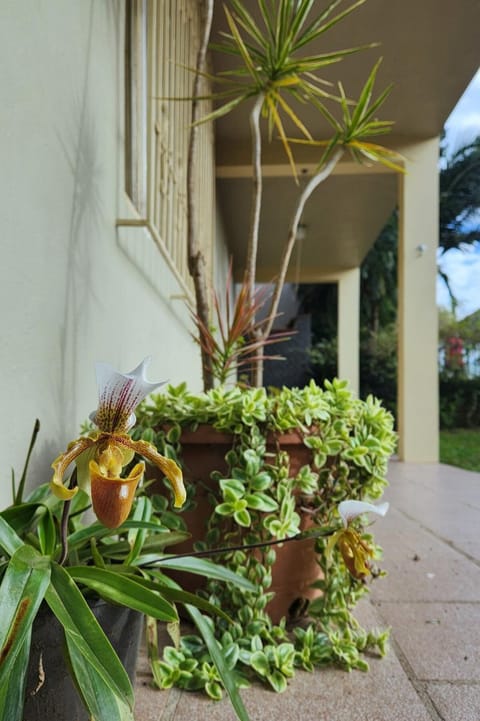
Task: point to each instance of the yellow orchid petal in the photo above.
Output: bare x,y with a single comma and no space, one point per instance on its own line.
112,498
355,553
61,464
168,467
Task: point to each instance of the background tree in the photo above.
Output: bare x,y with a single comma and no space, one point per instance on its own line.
460,197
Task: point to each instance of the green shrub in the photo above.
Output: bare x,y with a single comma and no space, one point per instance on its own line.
459,402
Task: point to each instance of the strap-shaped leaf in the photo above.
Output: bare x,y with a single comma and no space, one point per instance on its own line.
136,537
9,540
101,701
12,694
206,568
177,595
125,591
20,517
21,593
218,659
91,646
47,533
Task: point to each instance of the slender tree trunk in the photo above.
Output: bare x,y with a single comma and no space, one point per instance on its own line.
196,259
279,283
257,189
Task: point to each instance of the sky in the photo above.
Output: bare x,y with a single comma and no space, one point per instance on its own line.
462,267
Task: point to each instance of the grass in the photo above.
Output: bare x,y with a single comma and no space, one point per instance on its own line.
461,447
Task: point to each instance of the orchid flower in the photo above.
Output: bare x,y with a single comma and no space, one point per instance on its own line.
101,456
356,552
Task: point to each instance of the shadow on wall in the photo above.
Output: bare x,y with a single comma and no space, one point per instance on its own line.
80,149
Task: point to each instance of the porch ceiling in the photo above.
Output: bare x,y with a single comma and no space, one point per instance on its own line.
430,53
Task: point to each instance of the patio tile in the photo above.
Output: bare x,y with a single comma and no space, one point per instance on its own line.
440,640
442,499
420,567
456,702
383,693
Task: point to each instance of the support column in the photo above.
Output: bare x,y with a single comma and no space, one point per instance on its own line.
418,316
349,327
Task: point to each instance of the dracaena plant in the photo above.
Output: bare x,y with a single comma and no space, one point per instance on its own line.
278,69
52,555
230,343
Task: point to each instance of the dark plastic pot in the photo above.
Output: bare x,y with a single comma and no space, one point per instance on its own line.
57,699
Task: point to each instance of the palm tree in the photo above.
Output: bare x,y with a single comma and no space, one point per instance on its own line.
460,198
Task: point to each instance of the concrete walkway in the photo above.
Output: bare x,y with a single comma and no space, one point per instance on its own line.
430,599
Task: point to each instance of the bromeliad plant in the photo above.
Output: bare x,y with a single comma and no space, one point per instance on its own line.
51,556
256,503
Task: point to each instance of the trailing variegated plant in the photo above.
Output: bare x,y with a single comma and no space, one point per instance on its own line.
254,502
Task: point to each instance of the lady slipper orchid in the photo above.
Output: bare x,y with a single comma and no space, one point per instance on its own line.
101,456
356,552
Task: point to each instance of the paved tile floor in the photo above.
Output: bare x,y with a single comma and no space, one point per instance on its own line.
430,599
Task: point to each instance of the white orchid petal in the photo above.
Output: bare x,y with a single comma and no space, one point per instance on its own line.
119,394
349,510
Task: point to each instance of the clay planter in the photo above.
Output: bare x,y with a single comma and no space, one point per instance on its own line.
56,698
296,568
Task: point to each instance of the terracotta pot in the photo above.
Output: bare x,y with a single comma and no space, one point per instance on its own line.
296,567
57,699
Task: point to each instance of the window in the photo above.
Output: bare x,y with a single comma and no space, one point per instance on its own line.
161,41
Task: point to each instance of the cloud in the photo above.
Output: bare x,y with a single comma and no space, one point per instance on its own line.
463,266
463,270
463,124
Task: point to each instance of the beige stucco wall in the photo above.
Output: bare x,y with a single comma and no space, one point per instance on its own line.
70,291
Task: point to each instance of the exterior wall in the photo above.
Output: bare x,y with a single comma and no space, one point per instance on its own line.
72,289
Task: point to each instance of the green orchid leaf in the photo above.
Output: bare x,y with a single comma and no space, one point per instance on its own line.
123,590
12,694
206,568
177,595
22,591
9,540
47,533
228,680
90,645
20,517
102,702
143,512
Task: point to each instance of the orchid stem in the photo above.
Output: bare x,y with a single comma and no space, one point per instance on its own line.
64,521
302,536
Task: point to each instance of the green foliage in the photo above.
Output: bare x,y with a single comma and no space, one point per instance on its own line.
459,402
378,280
258,501
379,364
